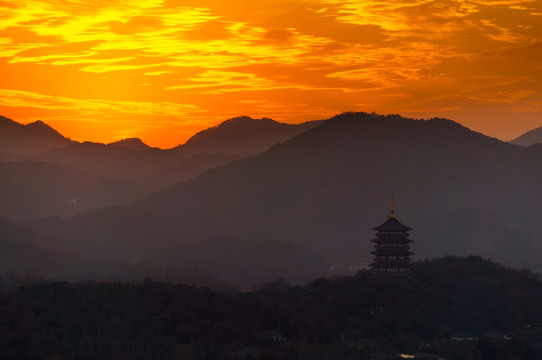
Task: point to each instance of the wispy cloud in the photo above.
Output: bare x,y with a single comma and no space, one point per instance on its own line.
19,98
331,55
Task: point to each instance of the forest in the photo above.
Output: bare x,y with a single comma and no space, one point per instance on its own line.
349,317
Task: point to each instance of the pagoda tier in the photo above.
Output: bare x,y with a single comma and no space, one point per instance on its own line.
391,255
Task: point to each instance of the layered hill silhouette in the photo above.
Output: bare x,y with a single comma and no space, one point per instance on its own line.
33,138
463,193
22,259
242,135
61,177
32,189
131,143
529,138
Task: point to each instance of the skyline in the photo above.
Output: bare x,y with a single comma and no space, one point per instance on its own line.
163,70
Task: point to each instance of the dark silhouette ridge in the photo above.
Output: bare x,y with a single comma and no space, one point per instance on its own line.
132,144
323,190
358,317
529,138
30,139
137,168
243,135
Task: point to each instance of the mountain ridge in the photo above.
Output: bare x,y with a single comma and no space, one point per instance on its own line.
133,143
325,188
143,169
529,138
30,139
243,134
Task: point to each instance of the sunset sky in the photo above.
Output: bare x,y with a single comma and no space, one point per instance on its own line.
163,70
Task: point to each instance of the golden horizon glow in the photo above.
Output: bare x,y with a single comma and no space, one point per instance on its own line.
163,70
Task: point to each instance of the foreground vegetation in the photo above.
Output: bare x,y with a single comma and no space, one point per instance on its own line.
360,317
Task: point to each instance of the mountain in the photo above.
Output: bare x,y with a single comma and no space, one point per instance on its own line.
325,189
21,259
115,173
529,138
131,143
151,169
33,138
247,262
32,189
144,168
243,135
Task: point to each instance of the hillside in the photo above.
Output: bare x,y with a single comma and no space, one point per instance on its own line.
33,189
242,135
33,138
131,143
341,318
115,173
326,188
246,262
529,138
147,169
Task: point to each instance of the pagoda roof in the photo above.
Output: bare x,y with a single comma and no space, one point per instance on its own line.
392,224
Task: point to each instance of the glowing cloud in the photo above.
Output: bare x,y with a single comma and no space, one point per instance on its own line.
116,60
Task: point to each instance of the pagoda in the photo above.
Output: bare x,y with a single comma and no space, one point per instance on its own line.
392,247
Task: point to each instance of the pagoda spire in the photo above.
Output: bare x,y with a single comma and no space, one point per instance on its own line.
392,247
392,207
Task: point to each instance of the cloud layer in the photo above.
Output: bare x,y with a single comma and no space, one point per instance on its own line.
187,64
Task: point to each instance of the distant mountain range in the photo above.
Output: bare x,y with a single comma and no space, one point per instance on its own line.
315,196
33,138
529,138
243,135
32,189
116,173
131,143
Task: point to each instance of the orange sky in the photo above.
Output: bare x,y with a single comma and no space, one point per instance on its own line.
162,70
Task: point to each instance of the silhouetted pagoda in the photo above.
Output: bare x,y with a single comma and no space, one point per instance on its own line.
392,250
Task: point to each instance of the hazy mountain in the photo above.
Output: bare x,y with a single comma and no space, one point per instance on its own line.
529,138
247,262
326,188
17,254
33,138
132,161
19,257
31,189
243,135
117,161
487,234
151,169
16,232
115,173
147,169
131,143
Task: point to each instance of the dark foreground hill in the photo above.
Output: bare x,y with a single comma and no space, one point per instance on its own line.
462,192
361,317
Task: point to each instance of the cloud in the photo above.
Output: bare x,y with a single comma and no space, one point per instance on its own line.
19,98
503,96
329,55
216,82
